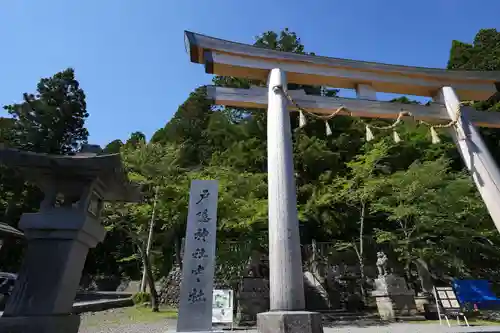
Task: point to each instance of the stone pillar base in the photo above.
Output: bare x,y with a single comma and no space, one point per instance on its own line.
392,306
289,322
40,324
385,308
393,297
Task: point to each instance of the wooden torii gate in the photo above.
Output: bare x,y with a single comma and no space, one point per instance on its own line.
447,88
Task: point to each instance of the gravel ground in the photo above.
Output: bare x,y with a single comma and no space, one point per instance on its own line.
162,327
157,327
138,321
169,326
413,328
126,320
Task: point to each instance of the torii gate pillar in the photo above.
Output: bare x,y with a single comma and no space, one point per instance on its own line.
474,152
286,279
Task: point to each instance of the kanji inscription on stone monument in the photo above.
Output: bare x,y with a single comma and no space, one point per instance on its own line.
195,307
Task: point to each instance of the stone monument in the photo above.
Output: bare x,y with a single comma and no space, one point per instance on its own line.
426,297
198,264
60,235
391,293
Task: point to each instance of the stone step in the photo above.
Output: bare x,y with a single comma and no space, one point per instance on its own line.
85,296
333,311
102,305
411,318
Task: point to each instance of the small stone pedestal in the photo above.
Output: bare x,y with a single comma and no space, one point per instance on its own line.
58,243
289,322
59,236
252,299
393,297
421,301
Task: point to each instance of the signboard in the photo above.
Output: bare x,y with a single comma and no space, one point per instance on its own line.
222,306
447,297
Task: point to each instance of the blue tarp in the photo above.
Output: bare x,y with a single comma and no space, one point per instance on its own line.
476,292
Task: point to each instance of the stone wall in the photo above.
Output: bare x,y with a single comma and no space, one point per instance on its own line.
332,281
170,287
334,293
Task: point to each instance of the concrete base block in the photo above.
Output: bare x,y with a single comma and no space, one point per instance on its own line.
289,322
40,324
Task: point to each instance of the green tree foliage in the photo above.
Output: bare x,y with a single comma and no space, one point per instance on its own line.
113,147
187,128
154,167
53,119
135,139
482,55
429,211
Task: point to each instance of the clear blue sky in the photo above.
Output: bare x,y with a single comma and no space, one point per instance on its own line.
130,59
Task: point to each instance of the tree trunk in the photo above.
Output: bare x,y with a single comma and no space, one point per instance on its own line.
150,279
407,268
154,294
408,276
150,238
425,276
177,244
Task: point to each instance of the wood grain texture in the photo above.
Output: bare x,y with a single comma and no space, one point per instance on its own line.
286,281
339,73
364,91
339,77
434,113
475,154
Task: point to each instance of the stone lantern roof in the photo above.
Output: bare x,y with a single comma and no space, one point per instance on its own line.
82,167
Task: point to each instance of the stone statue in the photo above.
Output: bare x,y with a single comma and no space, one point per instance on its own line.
382,264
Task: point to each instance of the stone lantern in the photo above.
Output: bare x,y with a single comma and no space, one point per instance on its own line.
60,234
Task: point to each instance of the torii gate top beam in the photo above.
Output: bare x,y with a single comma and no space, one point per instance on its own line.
228,58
